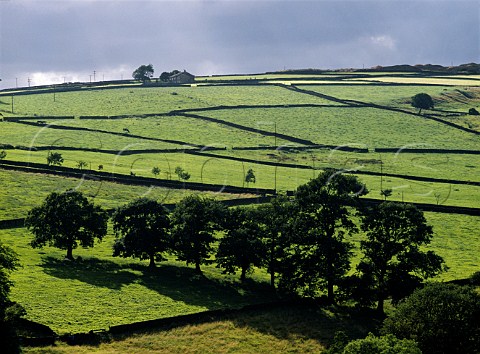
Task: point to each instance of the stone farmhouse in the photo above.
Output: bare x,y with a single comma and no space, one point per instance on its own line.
182,78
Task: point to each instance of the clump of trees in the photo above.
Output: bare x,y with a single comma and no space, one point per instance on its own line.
302,241
3,154
143,73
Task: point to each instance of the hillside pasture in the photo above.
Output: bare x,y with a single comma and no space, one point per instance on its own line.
362,127
147,100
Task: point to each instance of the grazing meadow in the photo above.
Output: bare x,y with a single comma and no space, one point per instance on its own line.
257,123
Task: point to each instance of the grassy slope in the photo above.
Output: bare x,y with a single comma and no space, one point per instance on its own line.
115,290
293,329
128,292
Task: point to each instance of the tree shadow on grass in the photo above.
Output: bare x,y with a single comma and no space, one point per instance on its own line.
178,283
309,321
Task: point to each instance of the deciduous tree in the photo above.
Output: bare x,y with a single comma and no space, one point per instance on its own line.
318,256
156,171
250,177
54,158
141,228
143,73
65,220
241,247
194,221
393,259
422,101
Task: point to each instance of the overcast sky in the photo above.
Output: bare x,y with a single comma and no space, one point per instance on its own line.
52,41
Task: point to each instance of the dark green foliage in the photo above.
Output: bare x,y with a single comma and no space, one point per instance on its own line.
141,228
250,177
422,101
54,158
441,318
387,344
182,174
3,154
156,171
8,263
65,220
194,221
393,263
241,247
318,257
143,72
9,311
473,112
275,218
164,76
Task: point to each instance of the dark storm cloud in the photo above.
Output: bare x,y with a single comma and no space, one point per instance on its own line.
205,37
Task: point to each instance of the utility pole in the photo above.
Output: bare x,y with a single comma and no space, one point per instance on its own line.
29,80
53,93
12,104
64,79
90,78
94,72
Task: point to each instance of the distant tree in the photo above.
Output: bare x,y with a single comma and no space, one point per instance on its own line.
164,76
3,154
143,73
318,256
473,112
182,174
393,262
386,193
441,318
65,220
422,101
250,176
194,222
100,167
54,158
141,229
82,164
156,171
241,247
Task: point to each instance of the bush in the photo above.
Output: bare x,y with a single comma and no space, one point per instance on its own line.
387,344
473,112
441,318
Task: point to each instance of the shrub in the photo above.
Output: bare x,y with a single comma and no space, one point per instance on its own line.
441,318
473,112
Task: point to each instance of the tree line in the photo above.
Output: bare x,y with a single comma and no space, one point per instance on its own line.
302,241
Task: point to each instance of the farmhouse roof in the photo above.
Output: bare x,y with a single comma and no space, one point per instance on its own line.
184,72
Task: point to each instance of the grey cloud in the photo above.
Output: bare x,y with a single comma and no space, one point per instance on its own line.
233,36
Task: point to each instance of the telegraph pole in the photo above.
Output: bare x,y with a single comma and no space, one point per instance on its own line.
12,104
94,72
29,80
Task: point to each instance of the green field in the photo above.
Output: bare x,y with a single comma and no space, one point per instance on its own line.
79,297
